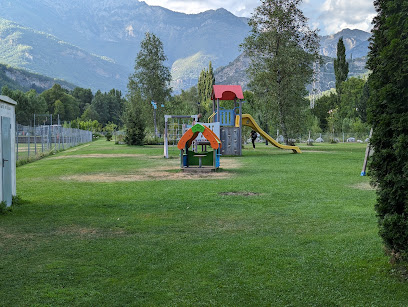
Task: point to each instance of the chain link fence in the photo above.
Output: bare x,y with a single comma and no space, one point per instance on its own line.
36,141
318,138
346,137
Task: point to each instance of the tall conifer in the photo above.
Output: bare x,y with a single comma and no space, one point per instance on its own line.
205,85
341,67
388,115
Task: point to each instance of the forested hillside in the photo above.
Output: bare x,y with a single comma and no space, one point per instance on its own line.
47,55
20,79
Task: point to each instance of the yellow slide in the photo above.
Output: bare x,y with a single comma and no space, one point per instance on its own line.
248,120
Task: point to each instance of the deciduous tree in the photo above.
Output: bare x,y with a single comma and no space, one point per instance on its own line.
151,78
28,104
282,49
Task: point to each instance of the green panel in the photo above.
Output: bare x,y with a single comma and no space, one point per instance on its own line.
198,128
207,161
6,162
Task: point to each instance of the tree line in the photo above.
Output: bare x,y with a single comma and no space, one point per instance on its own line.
65,105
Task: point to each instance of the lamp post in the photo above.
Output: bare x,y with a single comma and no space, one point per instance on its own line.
154,117
154,104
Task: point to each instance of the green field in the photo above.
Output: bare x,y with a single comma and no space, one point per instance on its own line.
112,225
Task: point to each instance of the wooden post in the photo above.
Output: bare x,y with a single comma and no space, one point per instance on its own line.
367,154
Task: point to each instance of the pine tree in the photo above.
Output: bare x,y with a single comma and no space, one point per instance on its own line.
388,115
341,67
134,123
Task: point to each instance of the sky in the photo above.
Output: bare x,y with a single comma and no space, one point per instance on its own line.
330,16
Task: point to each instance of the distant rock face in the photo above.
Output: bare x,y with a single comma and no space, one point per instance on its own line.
21,79
234,73
355,41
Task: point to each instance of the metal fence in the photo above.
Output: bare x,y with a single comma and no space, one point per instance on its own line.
39,140
319,138
341,137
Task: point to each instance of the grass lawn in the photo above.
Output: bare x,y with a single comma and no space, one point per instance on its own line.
112,225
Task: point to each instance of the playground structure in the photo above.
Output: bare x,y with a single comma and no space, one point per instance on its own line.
199,135
247,120
174,127
223,132
232,120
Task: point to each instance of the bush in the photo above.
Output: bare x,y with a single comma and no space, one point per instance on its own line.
96,136
4,209
108,136
120,139
152,140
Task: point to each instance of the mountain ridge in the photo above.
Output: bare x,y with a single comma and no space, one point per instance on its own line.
103,37
47,55
20,79
356,43
114,29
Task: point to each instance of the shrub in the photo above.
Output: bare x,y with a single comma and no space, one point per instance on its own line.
4,209
108,136
152,140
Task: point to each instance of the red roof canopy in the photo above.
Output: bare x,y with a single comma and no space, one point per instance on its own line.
227,92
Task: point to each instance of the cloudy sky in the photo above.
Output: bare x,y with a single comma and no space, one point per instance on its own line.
330,16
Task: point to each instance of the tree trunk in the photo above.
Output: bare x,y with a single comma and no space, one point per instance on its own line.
281,113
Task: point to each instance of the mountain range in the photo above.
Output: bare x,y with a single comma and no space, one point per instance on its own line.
355,41
94,43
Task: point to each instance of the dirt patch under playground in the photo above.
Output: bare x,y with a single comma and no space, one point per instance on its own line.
169,170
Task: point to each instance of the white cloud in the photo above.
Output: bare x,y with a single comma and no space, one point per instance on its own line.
340,14
238,8
330,16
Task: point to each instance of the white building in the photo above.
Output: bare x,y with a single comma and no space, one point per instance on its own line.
7,149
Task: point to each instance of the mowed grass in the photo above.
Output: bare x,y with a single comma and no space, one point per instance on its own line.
274,229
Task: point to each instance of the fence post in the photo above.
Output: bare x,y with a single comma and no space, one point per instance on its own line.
35,142
49,138
17,141
28,135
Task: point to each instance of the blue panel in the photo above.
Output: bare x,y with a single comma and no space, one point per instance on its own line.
227,117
